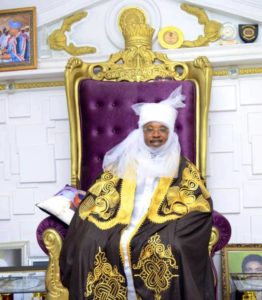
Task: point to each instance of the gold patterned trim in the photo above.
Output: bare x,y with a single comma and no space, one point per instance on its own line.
100,207
238,71
104,199
121,250
105,282
156,265
12,86
158,197
129,252
35,85
172,203
54,84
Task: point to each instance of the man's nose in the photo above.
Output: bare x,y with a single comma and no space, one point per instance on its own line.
156,133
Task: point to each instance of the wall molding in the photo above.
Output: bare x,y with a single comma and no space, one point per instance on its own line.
241,55
246,9
231,72
13,86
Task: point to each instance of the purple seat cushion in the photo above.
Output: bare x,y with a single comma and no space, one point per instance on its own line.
107,118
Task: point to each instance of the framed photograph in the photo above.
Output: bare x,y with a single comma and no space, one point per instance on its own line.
239,260
38,261
18,39
14,254
22,280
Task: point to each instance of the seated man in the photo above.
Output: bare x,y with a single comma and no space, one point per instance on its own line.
142,232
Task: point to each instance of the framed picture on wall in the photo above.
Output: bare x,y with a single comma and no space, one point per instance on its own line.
38,261
244,263
14,254
18,39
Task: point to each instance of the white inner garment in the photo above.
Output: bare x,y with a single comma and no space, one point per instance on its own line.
144,192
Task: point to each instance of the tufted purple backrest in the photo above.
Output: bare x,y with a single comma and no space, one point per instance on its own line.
107,118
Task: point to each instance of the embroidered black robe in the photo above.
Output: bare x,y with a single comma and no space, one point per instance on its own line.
168,251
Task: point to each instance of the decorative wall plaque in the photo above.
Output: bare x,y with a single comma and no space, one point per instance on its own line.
248,32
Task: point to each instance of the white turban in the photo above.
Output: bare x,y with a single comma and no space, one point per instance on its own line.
164,112
132,154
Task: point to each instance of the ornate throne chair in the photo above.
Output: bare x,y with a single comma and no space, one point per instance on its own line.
99,98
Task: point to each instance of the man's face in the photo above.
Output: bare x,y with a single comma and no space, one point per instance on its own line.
13,31
155,134
253,267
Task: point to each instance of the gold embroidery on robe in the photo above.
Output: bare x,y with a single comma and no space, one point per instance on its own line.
105,282
189,195
86,206
105,206
107,199
183,199
156,265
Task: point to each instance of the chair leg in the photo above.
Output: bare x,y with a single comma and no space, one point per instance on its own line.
54,286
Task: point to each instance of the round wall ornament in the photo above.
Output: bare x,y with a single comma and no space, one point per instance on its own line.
170,37
228,32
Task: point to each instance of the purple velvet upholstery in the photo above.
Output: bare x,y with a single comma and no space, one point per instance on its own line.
50,223
107,118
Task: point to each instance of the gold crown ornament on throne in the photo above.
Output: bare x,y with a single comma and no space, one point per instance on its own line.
137,62
136,32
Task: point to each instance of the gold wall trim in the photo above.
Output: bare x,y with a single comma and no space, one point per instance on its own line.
41,84
53,84
237,71
12,86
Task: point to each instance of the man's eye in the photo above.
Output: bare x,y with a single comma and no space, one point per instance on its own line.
163,129
149,130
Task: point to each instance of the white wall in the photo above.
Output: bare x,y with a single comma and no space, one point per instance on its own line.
34,131
234,157
34,159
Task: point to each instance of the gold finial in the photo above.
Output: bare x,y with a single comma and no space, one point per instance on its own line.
134,28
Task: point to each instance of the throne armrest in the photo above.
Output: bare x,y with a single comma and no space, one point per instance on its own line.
221,232
220,235
50,235
50,222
